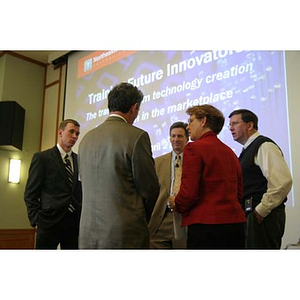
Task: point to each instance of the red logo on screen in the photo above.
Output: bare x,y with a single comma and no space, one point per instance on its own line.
98,60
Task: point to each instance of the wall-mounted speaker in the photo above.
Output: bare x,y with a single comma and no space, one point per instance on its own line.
12,117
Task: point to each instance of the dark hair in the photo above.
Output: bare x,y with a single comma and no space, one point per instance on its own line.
180,125
64,123
123,96
247,116
214,117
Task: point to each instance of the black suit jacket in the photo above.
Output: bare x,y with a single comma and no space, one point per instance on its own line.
48,192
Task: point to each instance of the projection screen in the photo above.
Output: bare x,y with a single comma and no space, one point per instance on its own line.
172,81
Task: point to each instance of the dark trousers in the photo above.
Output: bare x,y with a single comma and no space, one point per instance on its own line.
65,233
216,236
267,234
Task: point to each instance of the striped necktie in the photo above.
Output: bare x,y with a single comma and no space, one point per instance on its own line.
69,169
70,173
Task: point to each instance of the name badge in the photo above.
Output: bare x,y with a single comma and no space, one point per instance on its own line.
248,205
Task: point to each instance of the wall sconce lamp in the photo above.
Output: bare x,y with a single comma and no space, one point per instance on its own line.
14,170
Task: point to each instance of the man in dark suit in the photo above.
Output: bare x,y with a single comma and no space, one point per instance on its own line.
120,186
53,192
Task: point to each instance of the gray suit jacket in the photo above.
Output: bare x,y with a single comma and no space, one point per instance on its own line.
120,186
163,168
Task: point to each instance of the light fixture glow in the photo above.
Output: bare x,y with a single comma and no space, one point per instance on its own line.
14,170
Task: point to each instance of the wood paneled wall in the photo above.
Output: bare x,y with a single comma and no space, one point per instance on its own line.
17,238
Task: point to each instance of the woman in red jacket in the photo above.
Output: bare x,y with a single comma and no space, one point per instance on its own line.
211,185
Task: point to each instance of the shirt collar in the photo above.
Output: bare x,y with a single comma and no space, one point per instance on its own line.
174,155
116,115
251,139
62,151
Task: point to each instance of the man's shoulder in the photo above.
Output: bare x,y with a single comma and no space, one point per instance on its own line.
44,156
261,139
47,151
121,124
135,132
163,157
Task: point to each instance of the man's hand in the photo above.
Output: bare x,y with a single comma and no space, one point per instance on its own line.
172,202
258,217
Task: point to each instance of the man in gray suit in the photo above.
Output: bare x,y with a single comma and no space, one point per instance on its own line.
165,224
119,182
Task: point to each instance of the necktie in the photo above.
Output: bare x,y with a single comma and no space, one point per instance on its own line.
69,169
70,173
179,232
177,175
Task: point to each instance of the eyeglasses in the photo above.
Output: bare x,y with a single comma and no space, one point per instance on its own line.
233,124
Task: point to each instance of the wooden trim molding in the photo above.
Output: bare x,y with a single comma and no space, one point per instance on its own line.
58,101
17,238
23,57
52,83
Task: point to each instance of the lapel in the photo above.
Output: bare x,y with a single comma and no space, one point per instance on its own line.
75,166
169,170
167,161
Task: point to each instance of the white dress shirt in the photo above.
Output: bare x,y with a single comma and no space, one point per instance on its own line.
63,154
273,166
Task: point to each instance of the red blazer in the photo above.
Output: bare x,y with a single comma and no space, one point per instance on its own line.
211,185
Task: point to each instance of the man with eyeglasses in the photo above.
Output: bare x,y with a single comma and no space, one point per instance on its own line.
267,181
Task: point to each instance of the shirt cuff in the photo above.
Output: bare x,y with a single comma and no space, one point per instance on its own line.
261,210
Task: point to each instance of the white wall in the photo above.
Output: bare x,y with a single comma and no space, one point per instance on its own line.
292,231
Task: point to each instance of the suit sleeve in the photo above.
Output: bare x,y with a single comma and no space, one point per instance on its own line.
144,174
276,171
33,189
